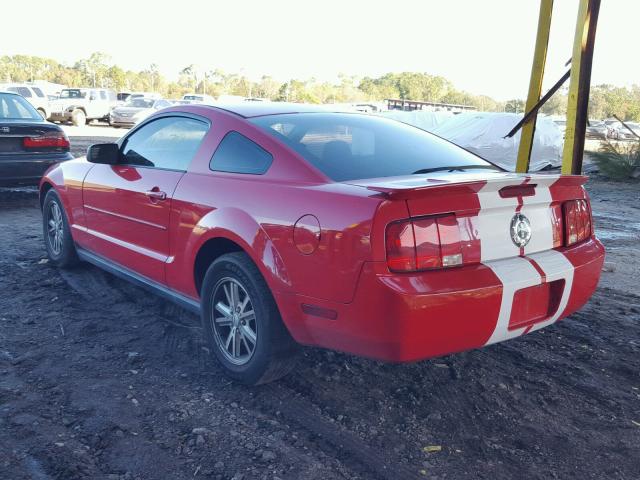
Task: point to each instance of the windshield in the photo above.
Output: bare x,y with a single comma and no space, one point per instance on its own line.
14,107
139,103
347,146
73,93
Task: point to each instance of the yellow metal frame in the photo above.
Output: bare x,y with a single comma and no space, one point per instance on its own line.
578,88
571,159
535,84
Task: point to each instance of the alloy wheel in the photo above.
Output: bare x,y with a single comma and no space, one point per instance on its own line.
55,228
233,321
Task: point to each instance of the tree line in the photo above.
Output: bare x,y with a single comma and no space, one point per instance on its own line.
98,70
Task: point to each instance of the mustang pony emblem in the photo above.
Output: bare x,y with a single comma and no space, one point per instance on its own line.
520,230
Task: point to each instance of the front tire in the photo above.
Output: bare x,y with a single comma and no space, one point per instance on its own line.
61,249
78,118
242,324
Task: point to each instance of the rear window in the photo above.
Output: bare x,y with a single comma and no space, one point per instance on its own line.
15,107
347,146
24,91
38,92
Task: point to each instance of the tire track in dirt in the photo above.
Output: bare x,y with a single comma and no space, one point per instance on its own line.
349,448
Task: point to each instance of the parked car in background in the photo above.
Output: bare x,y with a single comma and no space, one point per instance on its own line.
628,131
199,98
33,94
82,105
122,97
285,224
28,143
135,110
597,130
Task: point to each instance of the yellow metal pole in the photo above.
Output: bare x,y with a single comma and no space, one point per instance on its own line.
535,84
579,86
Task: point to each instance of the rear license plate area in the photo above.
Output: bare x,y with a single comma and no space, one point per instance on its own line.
535,304
10,144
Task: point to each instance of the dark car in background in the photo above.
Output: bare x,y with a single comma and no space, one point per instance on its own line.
28,144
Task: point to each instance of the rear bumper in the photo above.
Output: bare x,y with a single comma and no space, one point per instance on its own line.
60,116
410,317
121,123
28,169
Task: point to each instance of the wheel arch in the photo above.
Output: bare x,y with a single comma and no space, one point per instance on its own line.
45,186
227,230
209,251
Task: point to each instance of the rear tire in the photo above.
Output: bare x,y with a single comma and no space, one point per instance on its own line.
78,118
60,246
242,324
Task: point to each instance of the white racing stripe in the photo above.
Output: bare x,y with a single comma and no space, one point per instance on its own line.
493,222
517,273
498,252
556,267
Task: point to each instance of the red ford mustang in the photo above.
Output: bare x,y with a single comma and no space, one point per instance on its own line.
287,224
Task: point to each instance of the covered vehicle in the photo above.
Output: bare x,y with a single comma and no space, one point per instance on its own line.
424,119
29,145
484,133
135,110
284,224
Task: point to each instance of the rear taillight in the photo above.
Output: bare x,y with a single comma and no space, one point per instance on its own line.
557,224
577,221
48,140
423,243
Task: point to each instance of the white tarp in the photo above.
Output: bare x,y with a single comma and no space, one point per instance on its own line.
424,119
483,133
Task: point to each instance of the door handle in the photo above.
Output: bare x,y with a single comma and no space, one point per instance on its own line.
156,194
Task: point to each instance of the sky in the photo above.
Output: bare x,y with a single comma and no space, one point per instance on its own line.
482,46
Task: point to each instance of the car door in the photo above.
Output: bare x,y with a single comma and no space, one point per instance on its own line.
127,205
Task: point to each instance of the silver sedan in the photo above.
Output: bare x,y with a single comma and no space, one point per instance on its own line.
135,110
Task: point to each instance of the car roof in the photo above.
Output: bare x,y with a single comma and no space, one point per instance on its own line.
257,109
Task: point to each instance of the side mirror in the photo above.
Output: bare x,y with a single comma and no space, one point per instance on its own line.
92,98
105,153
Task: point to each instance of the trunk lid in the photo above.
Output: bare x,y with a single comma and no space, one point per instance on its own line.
489,207
12,135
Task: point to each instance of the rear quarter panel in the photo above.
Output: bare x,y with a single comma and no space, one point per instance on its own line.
259,212
260,217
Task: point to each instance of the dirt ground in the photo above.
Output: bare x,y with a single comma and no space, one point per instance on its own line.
101,380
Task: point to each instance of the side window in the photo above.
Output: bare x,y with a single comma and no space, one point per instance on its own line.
103,95
38,92
169,142
237,154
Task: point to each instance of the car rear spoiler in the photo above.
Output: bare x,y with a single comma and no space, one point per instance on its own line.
436,187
